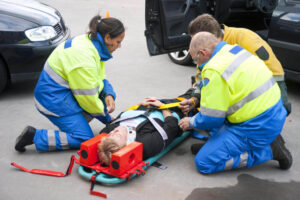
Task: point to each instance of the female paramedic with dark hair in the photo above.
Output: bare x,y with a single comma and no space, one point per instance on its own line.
73,89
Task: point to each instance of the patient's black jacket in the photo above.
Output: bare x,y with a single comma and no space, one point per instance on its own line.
147,134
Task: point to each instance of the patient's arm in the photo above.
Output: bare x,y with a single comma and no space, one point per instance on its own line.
153,101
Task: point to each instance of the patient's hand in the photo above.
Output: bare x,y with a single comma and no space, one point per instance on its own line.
151,101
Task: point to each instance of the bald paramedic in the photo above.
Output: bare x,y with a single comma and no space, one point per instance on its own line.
242,100
247,39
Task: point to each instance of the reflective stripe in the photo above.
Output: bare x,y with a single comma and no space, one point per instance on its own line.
212,112
92,91
51,140
252,95
43,109
57,78
229,164
63,140
61,81
235,64
243,159
279,77
191,122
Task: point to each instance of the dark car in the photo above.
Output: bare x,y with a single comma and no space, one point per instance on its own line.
276,21
29,31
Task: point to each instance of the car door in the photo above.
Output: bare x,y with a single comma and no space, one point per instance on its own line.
167,20
284,34
167,23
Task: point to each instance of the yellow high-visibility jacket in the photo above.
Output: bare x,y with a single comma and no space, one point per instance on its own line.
73,78
237,87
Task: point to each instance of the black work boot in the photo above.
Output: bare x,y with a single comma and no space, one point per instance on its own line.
196,147
26,138
281,153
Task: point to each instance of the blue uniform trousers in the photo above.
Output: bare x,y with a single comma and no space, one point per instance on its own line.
73,130
241,145
226,150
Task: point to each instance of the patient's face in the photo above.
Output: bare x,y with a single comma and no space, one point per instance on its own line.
119,134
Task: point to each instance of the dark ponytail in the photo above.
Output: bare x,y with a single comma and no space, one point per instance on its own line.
110,25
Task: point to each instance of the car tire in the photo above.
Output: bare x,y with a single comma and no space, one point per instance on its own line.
3,76
266,7
181,57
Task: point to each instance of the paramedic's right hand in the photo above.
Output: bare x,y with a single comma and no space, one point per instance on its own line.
186,106
110,103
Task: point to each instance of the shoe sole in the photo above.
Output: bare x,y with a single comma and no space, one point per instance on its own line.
287,162
19,139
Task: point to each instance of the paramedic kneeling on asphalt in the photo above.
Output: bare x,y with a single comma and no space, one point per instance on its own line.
242,99
73,89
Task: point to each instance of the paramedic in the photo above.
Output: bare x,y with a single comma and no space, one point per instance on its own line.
240,97
247,39
73,89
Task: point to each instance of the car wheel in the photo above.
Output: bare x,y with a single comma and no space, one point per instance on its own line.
181,57
3,76
266,7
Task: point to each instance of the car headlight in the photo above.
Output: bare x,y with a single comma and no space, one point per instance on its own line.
41,33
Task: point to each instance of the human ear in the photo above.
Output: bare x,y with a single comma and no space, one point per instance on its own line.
202,52
107,39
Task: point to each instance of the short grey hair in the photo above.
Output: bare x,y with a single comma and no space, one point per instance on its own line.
203,40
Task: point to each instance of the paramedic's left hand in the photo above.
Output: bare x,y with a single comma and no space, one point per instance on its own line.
184,123
186,106
110,103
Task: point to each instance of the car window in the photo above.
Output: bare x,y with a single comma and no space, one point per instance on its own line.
290,2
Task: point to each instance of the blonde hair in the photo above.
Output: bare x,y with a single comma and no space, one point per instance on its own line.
106,148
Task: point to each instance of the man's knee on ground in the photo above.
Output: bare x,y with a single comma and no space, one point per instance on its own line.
203,164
